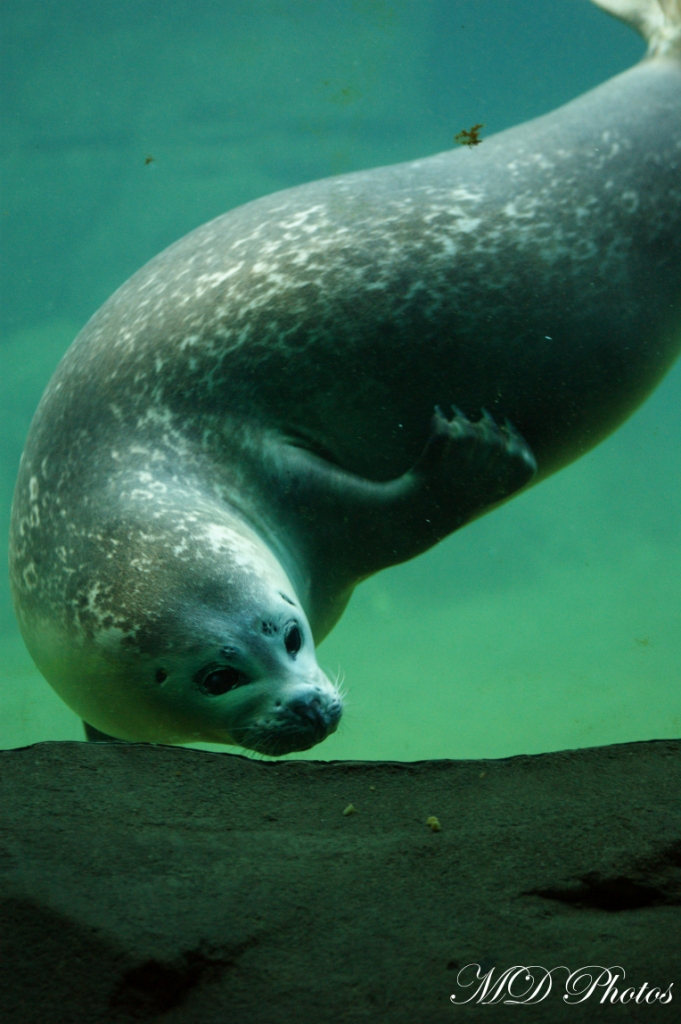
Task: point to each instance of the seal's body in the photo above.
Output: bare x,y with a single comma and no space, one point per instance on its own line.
241,433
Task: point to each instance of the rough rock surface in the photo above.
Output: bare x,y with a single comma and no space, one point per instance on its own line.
145,882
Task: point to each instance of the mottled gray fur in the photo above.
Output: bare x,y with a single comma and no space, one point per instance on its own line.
280,365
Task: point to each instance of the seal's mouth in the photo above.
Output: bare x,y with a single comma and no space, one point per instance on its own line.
297,724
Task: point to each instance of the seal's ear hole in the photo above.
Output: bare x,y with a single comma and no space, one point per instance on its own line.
161,675
293,640
221,680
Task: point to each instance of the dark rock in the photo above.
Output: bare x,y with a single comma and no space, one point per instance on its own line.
146,883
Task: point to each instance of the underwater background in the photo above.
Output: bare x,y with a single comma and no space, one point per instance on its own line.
551,623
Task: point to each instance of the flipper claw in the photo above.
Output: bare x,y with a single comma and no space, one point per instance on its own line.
489,420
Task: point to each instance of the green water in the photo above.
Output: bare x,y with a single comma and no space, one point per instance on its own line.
553,622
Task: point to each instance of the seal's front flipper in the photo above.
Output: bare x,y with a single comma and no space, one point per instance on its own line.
95,736
466,467
348,527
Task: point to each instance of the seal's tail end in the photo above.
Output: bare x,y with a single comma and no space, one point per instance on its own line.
658,21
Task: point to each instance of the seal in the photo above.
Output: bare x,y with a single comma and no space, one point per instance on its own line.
245,430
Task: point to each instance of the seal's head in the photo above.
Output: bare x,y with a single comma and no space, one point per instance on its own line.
194,634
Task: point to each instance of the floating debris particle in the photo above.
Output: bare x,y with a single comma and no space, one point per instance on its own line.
350,810
433,824
469,136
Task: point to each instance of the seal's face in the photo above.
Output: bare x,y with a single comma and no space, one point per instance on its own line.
218,649
246,677
198,640
216,674
252,681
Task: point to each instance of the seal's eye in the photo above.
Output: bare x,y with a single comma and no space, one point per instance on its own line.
221,680
293,640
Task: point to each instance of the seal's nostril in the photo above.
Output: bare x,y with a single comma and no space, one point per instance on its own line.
305,708
311,713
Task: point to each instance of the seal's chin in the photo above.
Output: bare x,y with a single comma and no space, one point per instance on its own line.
305,718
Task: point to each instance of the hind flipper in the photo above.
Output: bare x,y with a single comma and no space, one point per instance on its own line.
658,21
